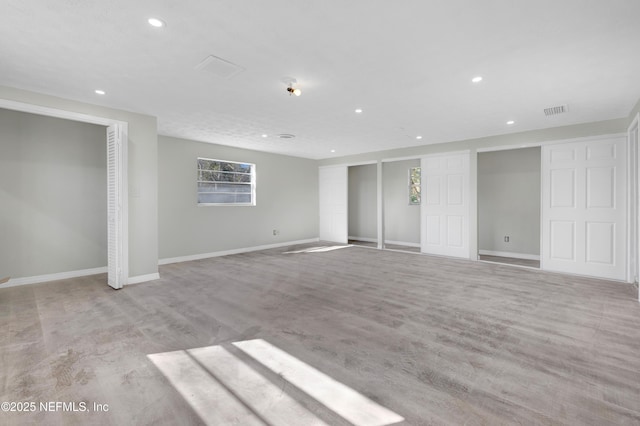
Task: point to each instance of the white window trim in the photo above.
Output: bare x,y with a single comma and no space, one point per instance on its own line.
253,185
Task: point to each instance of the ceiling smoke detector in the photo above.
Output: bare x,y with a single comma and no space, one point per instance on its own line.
286,136
555,110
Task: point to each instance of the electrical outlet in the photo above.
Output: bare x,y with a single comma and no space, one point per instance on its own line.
506,239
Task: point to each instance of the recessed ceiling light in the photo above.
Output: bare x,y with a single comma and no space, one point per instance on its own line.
155,22
418,137
510,122
476,79
264,136
333,150
100,92
358,111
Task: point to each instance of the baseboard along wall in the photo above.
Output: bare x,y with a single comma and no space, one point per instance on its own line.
189,258
509,254
375,240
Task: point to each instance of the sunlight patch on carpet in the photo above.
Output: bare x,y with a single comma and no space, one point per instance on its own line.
320,249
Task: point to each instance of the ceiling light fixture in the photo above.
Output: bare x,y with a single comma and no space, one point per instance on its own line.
477,79
510,122
418,137
155,22
333,150
290,81
358,111
293,91
100,92
264,136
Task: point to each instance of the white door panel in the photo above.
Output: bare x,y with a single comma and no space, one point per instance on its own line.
445,205
584,208
333,188
115,192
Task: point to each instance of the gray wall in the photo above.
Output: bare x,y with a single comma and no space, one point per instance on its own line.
509,201
363,207
401,220
53,195
142,171
286,195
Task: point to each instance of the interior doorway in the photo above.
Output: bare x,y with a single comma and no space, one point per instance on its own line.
509,200
402,190
363,205
116,144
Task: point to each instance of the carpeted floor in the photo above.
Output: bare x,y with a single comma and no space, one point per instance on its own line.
432,340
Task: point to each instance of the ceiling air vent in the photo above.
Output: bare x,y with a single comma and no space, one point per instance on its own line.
555,110
286,136
219,67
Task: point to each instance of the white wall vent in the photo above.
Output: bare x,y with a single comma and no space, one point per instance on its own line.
555,110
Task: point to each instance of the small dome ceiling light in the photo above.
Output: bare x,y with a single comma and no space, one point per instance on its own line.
510,122
477,79
155,22
418,137
100,92
358,111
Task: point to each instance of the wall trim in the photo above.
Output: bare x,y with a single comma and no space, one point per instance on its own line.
54,277
364,239
143,278
189,258
375,240
402,243
509,254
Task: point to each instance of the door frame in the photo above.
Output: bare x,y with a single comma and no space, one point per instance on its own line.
633,201
121,167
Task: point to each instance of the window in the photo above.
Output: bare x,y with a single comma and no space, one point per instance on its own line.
226,183
414,186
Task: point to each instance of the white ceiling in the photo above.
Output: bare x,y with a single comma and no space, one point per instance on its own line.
407,63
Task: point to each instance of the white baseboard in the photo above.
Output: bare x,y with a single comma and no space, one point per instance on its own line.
234,251
509,254
375,240
54,277
143,278
365,239
402,243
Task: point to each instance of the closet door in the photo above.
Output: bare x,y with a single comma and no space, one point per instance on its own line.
115,237
584,208
333,189
445,205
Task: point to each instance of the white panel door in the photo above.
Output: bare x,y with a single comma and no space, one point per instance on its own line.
333,188
445,205
584,208
115,250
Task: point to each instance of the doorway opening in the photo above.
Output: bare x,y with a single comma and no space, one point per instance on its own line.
401,187
117,207
509,206
363,205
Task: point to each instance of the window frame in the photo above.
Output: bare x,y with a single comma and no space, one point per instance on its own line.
252,183
411,185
